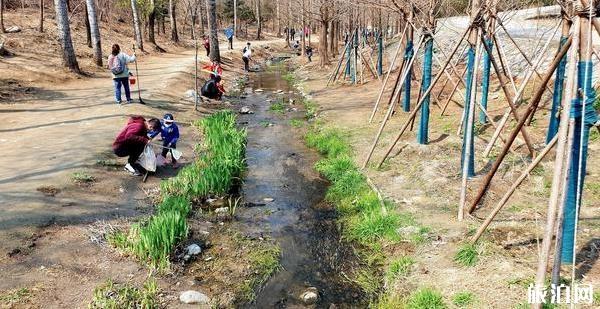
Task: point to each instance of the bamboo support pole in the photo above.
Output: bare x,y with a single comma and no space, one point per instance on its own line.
512,190
522,53
561,149
534,101
391,107
452,93
514,102
470,116
511,101
418,106
387,76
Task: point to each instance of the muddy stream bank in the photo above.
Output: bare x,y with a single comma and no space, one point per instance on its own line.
284,196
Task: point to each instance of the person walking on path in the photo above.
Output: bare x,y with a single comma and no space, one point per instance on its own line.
206,44
246,56
229,36
309,53
132,140
117,63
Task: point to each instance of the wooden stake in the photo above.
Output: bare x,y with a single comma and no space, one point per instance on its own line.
387,76
512,189
418,106
470,114
513,103
391,107
534,101
561,149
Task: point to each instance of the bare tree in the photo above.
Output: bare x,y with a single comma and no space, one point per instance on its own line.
151,22
136,25
258,20
2,30
211,9
41,28
64,36
94,31
88,32
172,17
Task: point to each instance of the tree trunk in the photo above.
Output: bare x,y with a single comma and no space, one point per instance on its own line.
151,22
211,9
94,31
324,56
174,35
235,21
202,21
302,33
278,20
258,19
88,34
2,29
136,25
41,28
64,36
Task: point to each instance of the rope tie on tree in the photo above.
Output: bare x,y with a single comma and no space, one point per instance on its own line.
586,11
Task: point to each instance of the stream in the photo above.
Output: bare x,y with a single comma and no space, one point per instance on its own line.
280,167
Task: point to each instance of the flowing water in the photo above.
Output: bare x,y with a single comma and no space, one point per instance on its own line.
280,167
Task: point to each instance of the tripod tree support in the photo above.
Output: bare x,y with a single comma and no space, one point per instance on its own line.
485,83
535,100
423,133
559,82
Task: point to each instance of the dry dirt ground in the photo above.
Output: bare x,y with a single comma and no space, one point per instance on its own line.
56,124
425,180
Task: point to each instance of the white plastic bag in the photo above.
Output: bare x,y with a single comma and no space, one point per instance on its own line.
148,159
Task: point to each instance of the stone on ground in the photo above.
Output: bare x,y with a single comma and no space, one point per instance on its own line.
194,297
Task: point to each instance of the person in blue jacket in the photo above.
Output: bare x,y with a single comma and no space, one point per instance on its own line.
169,133
229,36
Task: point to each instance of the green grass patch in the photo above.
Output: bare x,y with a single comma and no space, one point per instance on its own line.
310,109
365,219
16,296
220,165
296,123
593,188
467,255
594,135
278,107
329,142
264,263
115,296
82,177
369,281
290,77
426,298
463,299
399,267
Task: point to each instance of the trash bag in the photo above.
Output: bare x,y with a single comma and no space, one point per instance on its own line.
148,159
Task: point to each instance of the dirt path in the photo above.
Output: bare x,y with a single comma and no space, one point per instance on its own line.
68,128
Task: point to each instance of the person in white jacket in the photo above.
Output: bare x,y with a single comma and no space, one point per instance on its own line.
117,64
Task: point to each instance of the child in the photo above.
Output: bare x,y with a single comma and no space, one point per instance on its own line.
169,133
